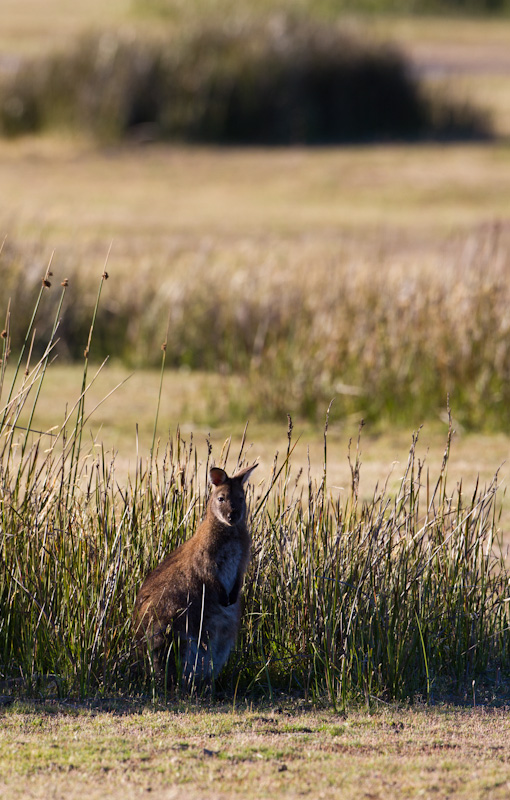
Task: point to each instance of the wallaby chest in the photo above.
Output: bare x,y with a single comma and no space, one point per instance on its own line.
229,559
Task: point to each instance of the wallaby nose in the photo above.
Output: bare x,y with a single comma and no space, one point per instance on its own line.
233,516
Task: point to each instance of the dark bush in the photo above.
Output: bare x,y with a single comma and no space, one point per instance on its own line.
298,85
270,84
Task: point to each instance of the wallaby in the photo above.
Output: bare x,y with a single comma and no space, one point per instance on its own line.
188,610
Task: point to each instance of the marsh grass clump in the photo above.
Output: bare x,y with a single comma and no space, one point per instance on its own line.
387,597
404,594
283,81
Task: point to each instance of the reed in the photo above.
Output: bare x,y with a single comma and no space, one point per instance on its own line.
384,599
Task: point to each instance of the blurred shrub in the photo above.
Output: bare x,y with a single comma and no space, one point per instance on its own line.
282,82
179,11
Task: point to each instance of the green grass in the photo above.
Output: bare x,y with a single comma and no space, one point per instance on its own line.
198,403
124,749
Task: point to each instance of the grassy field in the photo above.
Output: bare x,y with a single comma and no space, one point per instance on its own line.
30,28
410,241
279,221
220,752
340,594
407,197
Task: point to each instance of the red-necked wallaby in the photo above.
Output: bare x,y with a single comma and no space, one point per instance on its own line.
188,609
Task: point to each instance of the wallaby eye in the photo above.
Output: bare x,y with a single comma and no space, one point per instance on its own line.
221,499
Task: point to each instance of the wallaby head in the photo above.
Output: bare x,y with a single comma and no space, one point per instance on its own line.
227,501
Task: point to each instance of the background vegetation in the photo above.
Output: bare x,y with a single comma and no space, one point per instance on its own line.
390,343
286,81
176,9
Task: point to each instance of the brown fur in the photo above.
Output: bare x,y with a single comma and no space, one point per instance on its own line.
190,604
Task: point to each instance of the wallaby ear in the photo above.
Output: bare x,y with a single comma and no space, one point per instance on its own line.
217,476
244,474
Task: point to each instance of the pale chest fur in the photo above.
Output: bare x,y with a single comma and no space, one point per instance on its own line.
228,562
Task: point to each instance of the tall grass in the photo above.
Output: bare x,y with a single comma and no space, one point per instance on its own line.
390,340
405,594
385,598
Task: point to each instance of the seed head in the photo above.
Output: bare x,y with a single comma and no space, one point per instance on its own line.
105,275
46,283
65,282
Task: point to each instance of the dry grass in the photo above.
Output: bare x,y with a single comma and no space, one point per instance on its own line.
394,257
406,199
72,752
292,221
198,403
30,27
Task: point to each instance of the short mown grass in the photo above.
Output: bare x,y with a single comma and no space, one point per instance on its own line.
125,748
404,594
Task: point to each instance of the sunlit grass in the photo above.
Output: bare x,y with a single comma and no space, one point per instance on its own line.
403,199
